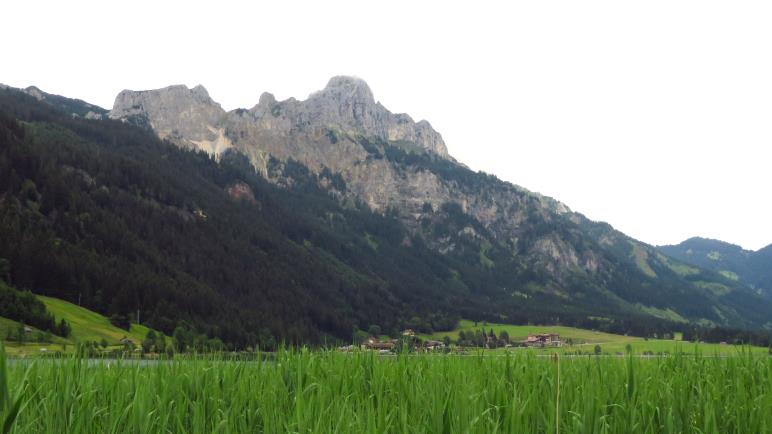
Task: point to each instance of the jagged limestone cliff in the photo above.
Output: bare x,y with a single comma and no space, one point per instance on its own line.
342,128
346,105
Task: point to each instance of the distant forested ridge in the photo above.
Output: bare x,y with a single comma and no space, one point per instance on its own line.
733,262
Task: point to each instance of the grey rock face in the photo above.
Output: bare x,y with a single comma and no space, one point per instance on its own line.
93,116
35,93
321,132
327,131
185,116
346,105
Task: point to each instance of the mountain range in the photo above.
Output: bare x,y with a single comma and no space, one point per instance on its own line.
304,220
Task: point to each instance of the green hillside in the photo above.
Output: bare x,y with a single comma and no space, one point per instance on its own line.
87,326
728,260
91,326
30,347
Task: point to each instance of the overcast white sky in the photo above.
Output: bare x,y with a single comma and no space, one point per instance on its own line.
654,116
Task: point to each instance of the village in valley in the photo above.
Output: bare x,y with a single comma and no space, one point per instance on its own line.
479,339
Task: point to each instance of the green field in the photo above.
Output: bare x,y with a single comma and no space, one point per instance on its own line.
585,340
28,348
86,326
520,332
329,392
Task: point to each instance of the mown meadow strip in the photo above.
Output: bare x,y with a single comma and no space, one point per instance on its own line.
322,392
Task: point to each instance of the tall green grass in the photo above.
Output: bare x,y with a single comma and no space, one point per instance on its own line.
325,392
9,405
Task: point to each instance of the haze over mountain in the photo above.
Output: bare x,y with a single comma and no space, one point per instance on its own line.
303,219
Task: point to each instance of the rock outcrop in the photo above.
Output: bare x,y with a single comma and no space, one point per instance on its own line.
348,102
187,117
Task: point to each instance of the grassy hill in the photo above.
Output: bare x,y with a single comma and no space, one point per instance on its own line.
91,326
585,340
86,326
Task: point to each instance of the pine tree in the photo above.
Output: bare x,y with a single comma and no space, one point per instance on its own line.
504,336
149,343
20,334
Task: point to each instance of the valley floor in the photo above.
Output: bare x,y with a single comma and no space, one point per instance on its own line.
575,340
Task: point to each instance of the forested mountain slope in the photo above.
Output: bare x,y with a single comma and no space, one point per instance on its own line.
104,212
531,245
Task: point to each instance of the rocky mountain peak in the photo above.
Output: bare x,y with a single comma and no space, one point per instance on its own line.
349,103
266,98
345,89
188,117
177,95
200,92
35,92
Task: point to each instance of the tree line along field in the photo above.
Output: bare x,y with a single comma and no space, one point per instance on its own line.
325,392
584,341
89,326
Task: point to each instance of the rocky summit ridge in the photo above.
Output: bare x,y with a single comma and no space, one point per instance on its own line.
189,117
340,128
325,131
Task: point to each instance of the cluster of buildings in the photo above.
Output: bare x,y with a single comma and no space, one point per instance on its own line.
542,340
390,345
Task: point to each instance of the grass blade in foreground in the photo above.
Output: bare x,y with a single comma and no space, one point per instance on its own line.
9,409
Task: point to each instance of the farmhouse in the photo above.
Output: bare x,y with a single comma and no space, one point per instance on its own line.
434,345
542,340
